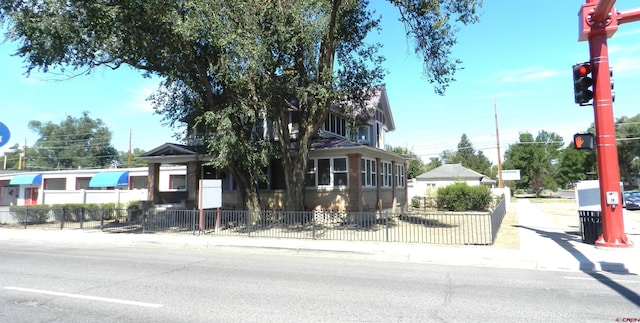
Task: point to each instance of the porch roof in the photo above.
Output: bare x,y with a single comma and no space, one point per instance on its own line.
109,179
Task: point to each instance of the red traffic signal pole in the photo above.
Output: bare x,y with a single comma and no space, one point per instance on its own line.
598,20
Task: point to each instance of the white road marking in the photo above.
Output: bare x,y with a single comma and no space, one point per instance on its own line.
592,278
87,297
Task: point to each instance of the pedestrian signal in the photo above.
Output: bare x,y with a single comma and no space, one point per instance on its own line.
584,141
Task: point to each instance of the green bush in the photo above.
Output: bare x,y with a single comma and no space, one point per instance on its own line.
415,201
462,197
31,214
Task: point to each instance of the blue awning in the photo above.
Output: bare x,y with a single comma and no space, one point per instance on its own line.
109,179
26,179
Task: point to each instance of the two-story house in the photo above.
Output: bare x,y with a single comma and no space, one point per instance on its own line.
348,168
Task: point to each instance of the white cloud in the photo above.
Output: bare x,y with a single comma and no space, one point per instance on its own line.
525,75
138,99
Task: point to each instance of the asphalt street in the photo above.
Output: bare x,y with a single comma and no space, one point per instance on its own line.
70,282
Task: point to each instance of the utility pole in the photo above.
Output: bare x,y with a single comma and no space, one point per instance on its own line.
599,20
129,163
495,113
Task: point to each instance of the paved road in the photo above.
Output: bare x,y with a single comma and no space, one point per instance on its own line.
41,282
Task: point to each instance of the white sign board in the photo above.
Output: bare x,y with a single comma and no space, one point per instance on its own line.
210,193
510,174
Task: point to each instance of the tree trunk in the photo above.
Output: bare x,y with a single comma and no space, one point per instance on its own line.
295,165
248,193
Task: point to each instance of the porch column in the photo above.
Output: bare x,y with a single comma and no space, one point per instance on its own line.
355,183
193,176
378,184
153,190
394,186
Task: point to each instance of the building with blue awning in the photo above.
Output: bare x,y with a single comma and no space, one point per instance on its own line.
80,186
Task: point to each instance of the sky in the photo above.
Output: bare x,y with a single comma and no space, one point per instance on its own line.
517,61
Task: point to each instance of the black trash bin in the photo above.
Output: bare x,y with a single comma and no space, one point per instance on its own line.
590,225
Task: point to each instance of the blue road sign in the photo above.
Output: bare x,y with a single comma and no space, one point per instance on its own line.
5,135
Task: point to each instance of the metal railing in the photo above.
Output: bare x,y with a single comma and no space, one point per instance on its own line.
451,228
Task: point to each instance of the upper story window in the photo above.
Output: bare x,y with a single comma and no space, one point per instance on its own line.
335,124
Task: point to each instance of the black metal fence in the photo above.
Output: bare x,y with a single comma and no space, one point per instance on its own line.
454,228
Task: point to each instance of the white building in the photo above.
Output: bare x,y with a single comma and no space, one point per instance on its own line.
86,185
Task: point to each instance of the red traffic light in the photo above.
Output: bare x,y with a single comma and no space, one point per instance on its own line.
582,83
581,70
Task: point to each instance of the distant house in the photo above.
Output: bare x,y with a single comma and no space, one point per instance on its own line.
426,184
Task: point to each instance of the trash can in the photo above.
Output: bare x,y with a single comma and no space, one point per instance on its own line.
590,225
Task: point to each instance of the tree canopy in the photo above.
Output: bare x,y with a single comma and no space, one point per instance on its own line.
536,158
73,143
228,65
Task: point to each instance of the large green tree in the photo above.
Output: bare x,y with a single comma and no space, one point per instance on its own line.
536,158
467,156
73,143
227,65
575,165
415,164
628,144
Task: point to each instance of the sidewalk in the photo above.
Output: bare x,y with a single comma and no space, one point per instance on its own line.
543,245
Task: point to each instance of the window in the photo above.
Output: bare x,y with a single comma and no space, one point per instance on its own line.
82,183
55,184
177,182
310,178
139,182
326,172
364,134
340,172
336,124
368,172
400,177
385,175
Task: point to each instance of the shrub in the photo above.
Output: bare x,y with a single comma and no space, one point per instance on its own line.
31,214
415,201
462,197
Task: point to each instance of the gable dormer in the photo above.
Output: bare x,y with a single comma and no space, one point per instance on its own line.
371,132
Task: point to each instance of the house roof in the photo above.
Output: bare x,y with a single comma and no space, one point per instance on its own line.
383,103
450,172
174,153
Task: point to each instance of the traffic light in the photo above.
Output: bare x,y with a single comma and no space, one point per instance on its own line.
613,93
582,82
584,141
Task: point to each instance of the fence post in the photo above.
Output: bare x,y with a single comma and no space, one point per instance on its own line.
193,222
217,220
313,225
81,217
143,219
248,215
62,219
386,226
102,219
